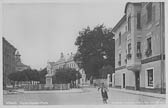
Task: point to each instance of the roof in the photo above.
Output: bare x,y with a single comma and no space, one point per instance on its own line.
51,63
17,53
135,4
19,64
5,41
122,20
70,57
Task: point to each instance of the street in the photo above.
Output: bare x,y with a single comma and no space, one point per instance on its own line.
89,96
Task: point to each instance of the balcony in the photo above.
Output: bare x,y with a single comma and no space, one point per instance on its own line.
132,64
148,52
119,63
129,56
139,55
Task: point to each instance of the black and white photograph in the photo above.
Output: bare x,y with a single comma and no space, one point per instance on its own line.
83,52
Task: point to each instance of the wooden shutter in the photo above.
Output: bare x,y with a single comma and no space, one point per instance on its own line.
153,13
143,20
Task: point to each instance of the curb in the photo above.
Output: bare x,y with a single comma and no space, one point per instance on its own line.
52,91
141,93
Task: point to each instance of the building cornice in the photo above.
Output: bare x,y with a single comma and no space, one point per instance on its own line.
122,20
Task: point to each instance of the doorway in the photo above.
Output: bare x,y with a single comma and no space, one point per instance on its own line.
137,81
123,80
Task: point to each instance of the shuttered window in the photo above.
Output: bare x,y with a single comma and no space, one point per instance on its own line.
129,23
119,39
153,13
149,12
138,20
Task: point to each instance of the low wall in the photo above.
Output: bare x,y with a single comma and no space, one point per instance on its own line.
42,87
98,82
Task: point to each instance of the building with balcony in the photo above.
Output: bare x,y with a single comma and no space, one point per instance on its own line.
8,60
140,47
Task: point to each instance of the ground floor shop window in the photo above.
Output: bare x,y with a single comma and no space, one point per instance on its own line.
150,77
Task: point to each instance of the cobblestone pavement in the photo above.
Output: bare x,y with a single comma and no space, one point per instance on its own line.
89,96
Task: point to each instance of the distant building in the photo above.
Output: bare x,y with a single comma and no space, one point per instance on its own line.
66,62
19,65
139,48
8,60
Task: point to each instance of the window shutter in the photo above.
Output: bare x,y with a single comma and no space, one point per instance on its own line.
153,13
143,20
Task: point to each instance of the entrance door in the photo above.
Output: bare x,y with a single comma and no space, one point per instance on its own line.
137,80
123,80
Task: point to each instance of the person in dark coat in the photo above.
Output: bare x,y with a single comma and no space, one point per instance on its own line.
104,93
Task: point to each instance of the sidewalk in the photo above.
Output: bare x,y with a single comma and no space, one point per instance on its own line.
51,91
156,95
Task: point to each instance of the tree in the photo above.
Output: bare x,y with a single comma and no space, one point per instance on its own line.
25,75
96,48
104,71
66,75
42,75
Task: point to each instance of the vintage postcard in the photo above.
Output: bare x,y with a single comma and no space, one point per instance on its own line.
83,52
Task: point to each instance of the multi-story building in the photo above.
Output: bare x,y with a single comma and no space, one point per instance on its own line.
19,65
66,62
139,47
8,60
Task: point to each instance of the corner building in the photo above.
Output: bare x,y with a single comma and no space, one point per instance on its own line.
8,61
140,48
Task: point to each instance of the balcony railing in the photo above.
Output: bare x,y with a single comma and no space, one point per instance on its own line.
119,63
129,56
126,60
139,55
148,52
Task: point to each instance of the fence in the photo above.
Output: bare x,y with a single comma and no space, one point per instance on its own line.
42,87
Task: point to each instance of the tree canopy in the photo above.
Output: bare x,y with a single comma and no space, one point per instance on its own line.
42,75
96,48
66,75
106,70
25,75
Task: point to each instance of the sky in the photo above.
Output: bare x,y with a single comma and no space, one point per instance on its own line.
41,31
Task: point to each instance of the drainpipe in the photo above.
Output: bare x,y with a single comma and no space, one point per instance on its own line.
162,44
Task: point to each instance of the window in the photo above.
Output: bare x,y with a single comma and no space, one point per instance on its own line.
138,47
149,43
119,57
153,13
119,62
150,77
149,48
139,55
129,51
149,12
129,48
129,23
138,20
119,38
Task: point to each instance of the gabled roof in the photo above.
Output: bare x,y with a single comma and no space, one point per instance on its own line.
122,20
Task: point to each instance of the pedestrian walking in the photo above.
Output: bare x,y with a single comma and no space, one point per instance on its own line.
104,93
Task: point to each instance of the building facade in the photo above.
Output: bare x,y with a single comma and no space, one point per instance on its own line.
66,62
8,60
140,48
